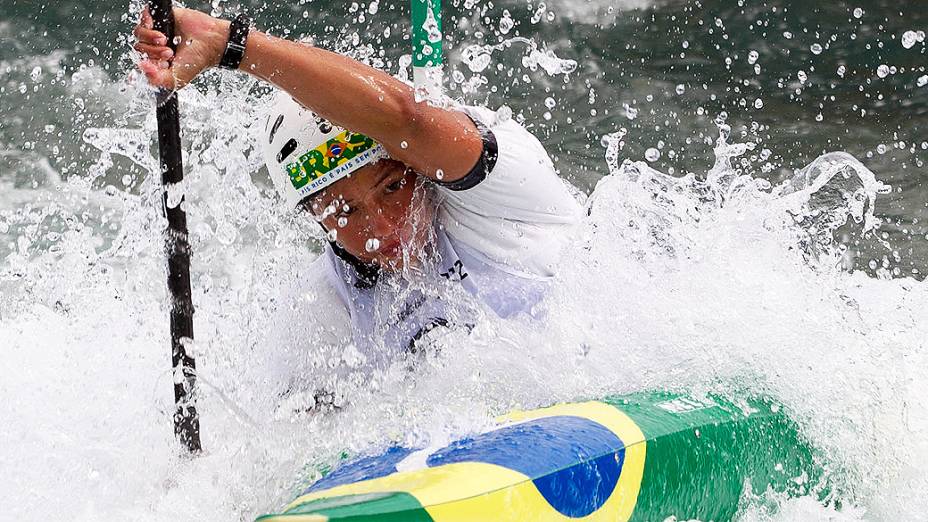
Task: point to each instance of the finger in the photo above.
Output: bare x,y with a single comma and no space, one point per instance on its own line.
158,74
150,36
147,21
157,52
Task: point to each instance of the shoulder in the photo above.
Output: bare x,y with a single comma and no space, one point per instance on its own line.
520,181
511,137
519,212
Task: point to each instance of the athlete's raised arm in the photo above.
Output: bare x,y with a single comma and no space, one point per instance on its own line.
347,92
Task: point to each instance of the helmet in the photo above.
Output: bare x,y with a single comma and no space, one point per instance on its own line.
305,153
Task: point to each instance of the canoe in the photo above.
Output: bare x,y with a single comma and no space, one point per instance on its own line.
644,456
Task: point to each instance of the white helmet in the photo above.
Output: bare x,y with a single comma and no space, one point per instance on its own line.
305,153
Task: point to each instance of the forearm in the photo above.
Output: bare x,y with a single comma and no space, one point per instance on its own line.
342,90
361,98
435,142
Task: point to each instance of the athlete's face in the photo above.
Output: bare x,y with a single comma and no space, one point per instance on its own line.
380,214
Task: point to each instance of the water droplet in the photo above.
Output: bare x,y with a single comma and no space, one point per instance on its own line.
788,35
613,144
332,235
550,103
652,154
758,103
680,89
816,48
802,76
548,61
753,56
630,112
372,244
881,148
373,7
439,174
36,73
882,71
342,222
910,38
49,129
175,193
476,57
842,70
858,12
505,22
126,180
923,81
404,145
433,33
546,116
503,114
536,17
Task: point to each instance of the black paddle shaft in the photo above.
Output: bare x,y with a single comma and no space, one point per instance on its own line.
177,249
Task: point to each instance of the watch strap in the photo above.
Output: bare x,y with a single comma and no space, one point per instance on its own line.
235,47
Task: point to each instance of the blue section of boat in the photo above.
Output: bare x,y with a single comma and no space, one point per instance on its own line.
574,462
365,468
582,489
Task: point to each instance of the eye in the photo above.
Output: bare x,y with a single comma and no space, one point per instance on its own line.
396,185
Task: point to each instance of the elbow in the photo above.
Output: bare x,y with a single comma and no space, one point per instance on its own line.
410,115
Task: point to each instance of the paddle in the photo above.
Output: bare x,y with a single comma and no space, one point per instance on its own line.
177,249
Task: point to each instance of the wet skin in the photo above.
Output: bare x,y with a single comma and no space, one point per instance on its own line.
385,201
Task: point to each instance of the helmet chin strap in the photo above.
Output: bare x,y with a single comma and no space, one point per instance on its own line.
368,273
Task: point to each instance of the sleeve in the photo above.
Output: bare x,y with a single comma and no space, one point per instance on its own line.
512,208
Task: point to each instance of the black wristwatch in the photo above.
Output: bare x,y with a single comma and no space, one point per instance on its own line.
238,37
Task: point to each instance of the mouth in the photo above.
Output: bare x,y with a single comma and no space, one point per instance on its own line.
391,248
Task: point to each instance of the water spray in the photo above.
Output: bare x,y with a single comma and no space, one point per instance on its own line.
177,249
426,50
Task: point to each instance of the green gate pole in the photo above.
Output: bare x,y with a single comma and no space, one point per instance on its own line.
426,50
177,249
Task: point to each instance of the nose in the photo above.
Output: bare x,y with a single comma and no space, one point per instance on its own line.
381,225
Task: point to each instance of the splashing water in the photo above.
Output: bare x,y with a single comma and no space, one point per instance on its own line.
477,57
722,282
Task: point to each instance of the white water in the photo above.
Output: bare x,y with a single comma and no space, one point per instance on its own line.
724,284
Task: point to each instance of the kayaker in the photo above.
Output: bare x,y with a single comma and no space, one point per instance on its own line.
432,214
